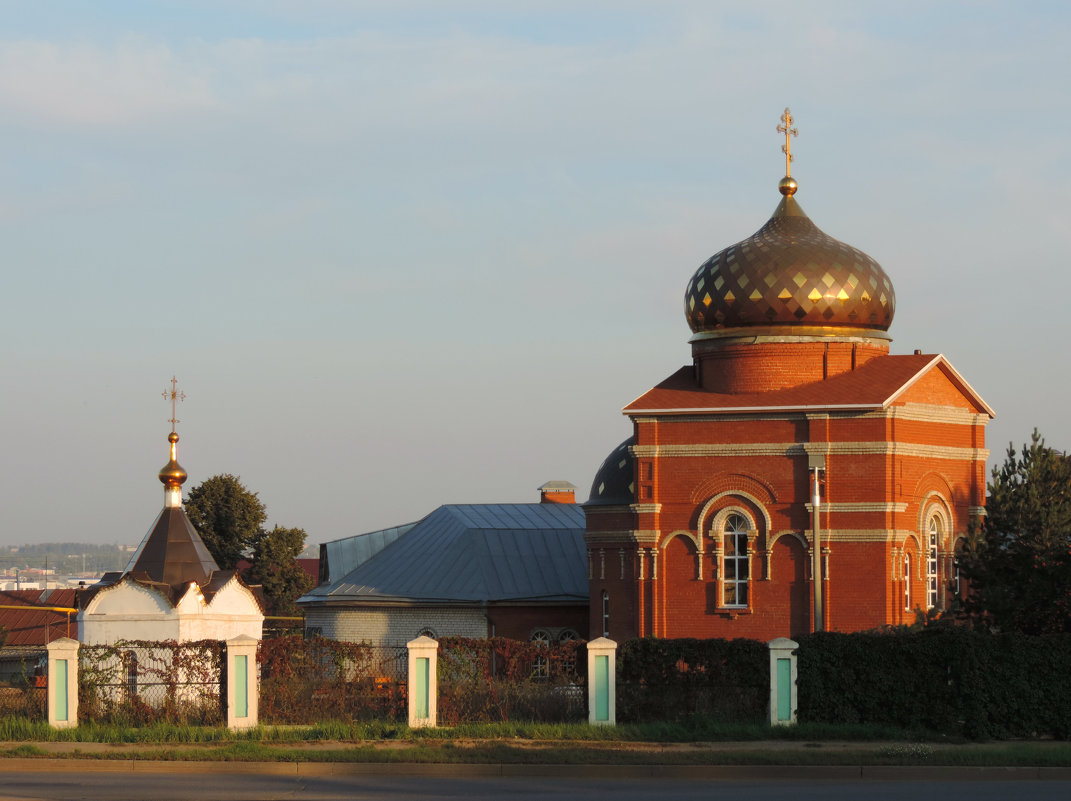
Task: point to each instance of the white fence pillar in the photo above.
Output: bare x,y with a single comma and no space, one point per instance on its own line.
243,684
602,682
423,682
783,676
62,683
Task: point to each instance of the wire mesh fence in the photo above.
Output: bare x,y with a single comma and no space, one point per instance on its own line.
24,699
140,683
493,680
316,679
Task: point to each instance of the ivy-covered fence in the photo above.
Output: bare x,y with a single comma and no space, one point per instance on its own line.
669,680
943,679
495,679
25,697
315,679
139,682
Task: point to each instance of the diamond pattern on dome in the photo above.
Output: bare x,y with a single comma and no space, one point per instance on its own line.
790,272
613,483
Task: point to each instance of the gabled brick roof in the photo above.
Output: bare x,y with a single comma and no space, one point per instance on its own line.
36,626
873,385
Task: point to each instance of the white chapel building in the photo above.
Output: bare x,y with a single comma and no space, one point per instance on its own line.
172,589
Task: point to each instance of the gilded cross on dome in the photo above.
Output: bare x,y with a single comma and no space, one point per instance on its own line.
786,128
175,395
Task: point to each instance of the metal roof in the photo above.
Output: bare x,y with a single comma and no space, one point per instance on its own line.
345,555
173,552
473,553
37,621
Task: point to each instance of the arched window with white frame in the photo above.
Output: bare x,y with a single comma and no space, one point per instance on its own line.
932,538
907,582
735,561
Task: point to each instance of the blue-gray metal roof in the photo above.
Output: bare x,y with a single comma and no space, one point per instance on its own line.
345,555
474,553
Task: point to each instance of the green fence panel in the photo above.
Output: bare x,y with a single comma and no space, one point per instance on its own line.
241,686
602,687
423,678
59,689
784,689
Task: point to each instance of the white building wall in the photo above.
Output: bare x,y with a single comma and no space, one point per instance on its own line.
390,626
130,611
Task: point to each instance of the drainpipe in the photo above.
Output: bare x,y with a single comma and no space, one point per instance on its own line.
817,465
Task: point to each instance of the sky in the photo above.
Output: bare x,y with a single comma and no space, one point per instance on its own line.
400,254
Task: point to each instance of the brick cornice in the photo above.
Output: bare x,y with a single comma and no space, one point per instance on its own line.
738,449
921,412
861,506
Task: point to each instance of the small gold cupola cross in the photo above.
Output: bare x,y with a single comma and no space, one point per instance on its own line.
172,476
175,395
786,128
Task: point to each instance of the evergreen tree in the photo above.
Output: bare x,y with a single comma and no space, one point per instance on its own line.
276,569
1018,562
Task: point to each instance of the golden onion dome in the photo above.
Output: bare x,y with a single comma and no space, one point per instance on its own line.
788,274
172,474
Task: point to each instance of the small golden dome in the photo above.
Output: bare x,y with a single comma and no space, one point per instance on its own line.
172,474
788,186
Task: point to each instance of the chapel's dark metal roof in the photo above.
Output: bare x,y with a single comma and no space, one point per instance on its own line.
789,273
173,553
473,554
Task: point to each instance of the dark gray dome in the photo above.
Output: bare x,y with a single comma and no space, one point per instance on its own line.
614,482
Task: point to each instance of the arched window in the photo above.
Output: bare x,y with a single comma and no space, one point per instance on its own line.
427,631
605,614
735,561
931,563
907,582
540,637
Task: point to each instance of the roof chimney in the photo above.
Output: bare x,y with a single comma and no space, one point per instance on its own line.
557,492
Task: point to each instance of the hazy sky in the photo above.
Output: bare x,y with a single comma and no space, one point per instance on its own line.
402,254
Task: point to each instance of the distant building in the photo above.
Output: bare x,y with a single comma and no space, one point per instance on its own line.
702,524
472,570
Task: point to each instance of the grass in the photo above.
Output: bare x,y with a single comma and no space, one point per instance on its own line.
14,729
685,743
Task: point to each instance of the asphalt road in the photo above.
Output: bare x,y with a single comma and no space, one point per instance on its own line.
190,785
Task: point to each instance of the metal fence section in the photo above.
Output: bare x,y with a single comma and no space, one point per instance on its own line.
147,682
24,699
316,679
492,680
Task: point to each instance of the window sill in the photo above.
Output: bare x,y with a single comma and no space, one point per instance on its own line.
733,611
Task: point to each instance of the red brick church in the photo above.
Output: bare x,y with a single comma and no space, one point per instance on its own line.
704,522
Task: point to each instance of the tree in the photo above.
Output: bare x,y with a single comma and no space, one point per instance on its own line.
1018,562
228,517
276,569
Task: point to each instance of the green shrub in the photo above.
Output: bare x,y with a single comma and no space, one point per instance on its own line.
943,679
674,680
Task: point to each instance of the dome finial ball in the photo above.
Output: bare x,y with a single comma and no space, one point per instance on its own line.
787,186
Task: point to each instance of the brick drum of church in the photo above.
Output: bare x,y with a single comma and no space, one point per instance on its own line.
702,524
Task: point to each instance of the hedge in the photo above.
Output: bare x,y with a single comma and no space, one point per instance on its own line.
944,679
668,680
